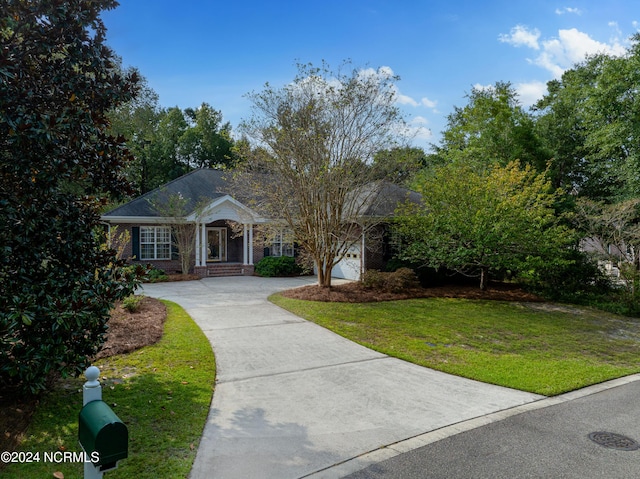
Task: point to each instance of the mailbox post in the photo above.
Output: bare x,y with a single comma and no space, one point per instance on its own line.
99,429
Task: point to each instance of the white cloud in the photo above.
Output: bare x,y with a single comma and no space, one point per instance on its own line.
417,129
428,103
479,87
402,99
562,11
383,72
520,35
405,100
571,47
563,52
531,92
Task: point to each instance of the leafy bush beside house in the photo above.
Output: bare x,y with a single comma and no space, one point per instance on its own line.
396,282
272,266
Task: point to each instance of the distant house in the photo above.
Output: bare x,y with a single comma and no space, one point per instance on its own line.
229,238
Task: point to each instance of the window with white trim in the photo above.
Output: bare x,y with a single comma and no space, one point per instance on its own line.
282,244
155,242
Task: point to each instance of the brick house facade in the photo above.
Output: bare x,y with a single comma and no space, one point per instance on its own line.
231,237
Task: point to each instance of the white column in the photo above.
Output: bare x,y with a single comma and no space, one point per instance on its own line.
203,251
363,253
198,250
245,248
251,244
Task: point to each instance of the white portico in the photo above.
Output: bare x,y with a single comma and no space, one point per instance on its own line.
216,224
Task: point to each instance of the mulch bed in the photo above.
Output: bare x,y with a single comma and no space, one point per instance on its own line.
356,293
130,331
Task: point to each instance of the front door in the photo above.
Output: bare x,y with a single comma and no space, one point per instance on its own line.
217,244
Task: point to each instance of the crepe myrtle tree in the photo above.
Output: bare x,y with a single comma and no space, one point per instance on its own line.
174,210
58,165
313,142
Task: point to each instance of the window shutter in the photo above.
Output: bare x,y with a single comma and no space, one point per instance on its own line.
174,247
135,242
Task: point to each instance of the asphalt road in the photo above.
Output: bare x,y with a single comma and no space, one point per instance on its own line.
552,442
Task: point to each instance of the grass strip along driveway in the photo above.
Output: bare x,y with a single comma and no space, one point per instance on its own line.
537,347
161,392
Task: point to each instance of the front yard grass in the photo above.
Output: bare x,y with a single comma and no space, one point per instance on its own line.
537,347
161,392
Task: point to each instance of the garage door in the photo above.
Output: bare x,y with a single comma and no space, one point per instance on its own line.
349,266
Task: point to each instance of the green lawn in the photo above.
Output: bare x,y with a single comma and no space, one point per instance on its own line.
161,392
546,351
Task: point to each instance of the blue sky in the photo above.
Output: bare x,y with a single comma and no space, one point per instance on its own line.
194,51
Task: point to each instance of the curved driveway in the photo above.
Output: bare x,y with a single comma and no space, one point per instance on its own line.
295,400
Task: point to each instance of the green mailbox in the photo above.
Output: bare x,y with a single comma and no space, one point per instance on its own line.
100,430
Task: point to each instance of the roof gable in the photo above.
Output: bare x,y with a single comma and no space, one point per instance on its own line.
380,200
196,186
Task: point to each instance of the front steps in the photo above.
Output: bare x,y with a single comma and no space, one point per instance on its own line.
224,269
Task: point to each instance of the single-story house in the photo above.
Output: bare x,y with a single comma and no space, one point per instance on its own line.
229,239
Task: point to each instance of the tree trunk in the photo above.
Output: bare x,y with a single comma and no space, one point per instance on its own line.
327,277
324,274
320,274
484,278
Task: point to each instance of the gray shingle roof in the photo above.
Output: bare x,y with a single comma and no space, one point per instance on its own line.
211,184
194,186
380,200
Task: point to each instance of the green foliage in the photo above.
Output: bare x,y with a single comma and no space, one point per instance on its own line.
57,164
428,277
132,303
399,164
574,277
156,275
168,143
491,129
590,121
272,266
479,223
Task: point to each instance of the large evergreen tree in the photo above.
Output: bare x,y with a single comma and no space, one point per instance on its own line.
58,164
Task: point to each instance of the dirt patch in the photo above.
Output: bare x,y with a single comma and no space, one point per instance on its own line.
356,293
127,332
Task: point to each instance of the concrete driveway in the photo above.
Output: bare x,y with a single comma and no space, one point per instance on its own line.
295,400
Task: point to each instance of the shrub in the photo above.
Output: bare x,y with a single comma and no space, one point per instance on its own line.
395,282
156,275
427,276
401,280
272,266
373,279
575,277
132,303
